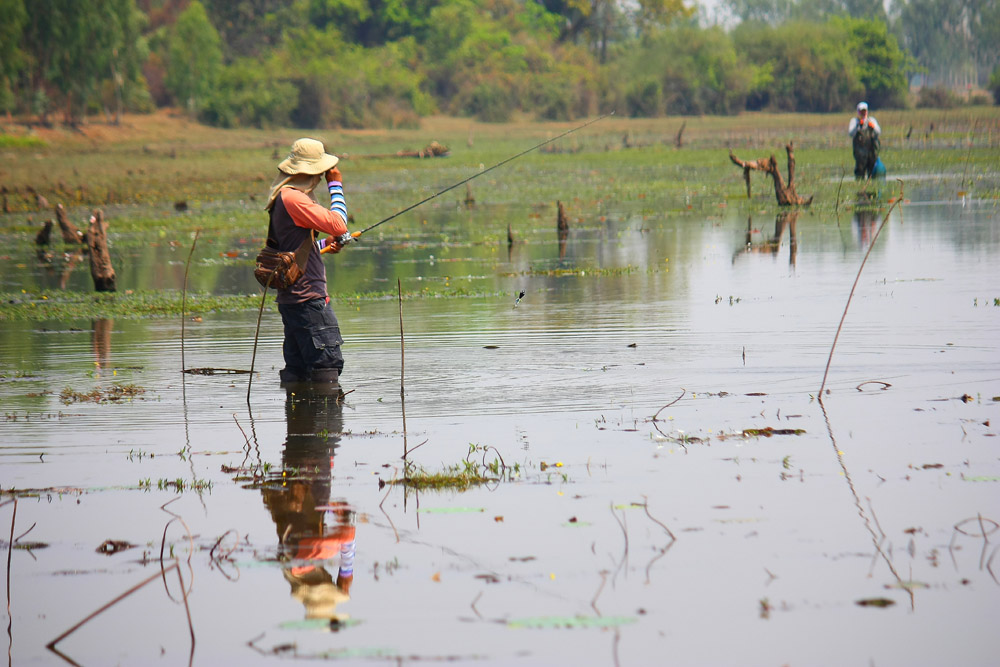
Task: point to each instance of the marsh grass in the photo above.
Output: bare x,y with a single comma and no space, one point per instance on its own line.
136,173
482,465
113,394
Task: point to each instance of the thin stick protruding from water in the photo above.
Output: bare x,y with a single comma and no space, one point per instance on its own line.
184,295
51,645
857,278
253,357
402,345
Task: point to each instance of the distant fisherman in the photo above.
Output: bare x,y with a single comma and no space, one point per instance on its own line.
866,131
312,334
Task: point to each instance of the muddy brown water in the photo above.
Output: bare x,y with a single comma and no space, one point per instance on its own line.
620,540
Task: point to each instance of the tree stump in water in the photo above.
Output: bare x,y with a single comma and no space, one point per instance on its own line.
562,228
44,235
100,259
70,233
562,221
784,193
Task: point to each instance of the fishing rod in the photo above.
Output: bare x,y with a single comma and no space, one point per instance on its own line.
347,237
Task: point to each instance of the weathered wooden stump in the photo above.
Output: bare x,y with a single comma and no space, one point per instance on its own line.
70,233
562,228
100,259
44,235
784,193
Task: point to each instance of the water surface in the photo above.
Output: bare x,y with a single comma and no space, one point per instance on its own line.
643,522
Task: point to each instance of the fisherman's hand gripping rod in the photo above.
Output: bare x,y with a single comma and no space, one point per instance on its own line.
347,237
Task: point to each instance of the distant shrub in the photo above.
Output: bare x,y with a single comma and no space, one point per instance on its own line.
12,141
937,97
489,102
994,84
247,96
980,100
644,98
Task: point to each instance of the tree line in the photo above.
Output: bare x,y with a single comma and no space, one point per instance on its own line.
369,63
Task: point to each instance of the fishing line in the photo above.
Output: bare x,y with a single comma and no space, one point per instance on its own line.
347,238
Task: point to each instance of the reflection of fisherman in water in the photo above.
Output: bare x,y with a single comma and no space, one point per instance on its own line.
313,529
865,221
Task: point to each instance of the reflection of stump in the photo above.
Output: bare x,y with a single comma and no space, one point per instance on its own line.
70,233
101,341
785,194
100,259
44,235
470,201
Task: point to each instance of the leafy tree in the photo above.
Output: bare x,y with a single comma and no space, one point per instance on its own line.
811,66
956,42
252,28
771,12
195,57
685,70
13,18
878,60
75,45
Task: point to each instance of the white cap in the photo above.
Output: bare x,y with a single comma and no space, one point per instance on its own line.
862,106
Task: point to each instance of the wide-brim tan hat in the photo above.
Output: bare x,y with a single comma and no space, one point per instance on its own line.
308,156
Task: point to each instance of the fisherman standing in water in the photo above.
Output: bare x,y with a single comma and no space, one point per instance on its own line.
865,131
312,335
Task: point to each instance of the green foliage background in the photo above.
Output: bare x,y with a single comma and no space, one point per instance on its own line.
387,63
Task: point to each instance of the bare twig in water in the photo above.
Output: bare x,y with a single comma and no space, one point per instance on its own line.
683,391
645,506
187,611
395,532
473,605
593,602
163,543
211,552
402,344
968,155
621,523
855,285
843,172
989,566
184,295
415,448
876,540
664,550
51,645
885,385
10,548
260,313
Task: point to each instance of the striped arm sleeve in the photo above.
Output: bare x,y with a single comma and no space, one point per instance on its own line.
337,201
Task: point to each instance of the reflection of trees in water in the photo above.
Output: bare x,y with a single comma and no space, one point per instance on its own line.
313,528
785,220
